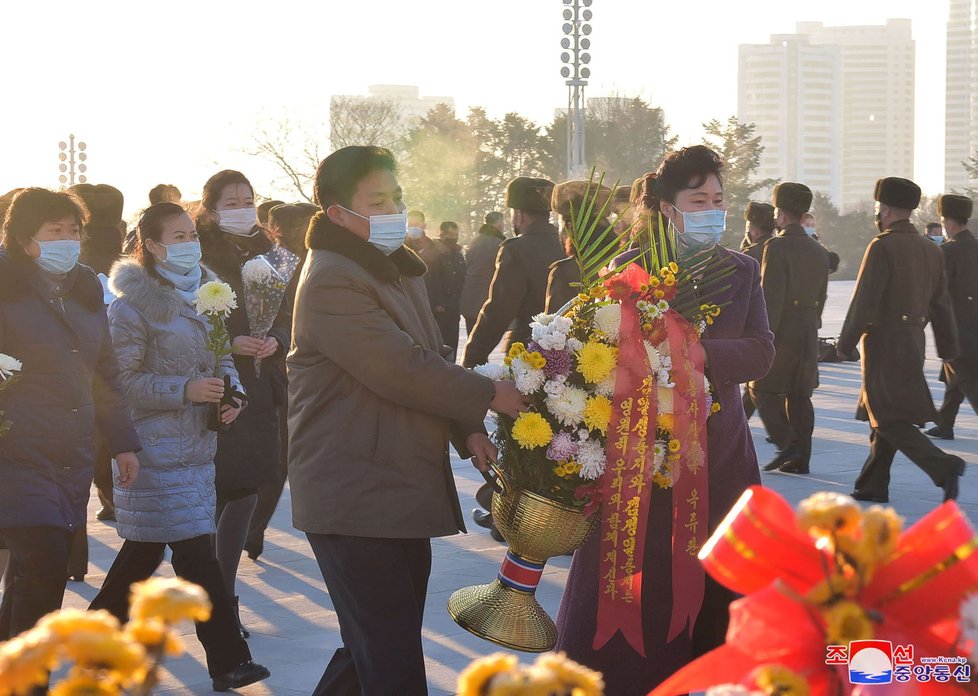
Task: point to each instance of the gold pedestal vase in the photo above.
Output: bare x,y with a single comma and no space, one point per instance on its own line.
505,611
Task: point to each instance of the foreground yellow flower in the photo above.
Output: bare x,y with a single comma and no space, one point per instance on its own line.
665,421
169,599
85,685
475,677
881,529
597,413
776,680
829,513
26,660
835,587
532,430
113,651
152,634
596,361
570,676
67,622
845,622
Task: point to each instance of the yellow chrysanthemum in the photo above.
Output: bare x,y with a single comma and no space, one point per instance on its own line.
659,294
674,445
669,281
86,685
715,407
666,421
598,291
26,660
597,413
114,651
674,267
67,622
834,587
777,680
881,529
169,599
596,361
845,622
570,676
475,677
153,633
536,360
532,430
829,513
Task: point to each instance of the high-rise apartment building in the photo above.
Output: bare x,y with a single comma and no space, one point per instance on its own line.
961,96
834,106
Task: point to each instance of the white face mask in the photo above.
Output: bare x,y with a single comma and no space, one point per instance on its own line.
387,232
240,221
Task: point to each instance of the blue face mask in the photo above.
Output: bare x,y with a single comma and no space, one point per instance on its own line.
937,238
183,257
810,231
702,228
59,256
387,232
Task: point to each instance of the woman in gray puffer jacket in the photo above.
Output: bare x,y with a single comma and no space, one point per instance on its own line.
172,381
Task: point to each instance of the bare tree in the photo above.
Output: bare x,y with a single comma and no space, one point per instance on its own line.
364,121
293,147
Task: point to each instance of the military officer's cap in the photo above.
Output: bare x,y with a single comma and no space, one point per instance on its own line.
792,196
104,203
759,213
897,192
954,207
527,193
572,193
623,196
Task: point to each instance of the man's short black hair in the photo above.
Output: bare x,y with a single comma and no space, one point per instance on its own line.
448,226
339,174
935,226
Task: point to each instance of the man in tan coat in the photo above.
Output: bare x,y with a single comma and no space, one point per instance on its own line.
901,287
372,406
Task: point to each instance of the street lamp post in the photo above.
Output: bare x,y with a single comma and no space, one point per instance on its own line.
575,57
68,156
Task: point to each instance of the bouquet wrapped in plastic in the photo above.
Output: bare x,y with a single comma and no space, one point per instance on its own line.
265,279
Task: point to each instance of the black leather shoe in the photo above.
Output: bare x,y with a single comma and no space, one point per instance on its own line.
254,551
482,518
794,467
105,515
495,534
950,485
77,578
941,433
784,456
246,673
867,497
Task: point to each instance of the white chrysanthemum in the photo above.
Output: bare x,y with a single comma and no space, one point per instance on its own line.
607,387
568,408
607,320
591,457
665,360
552,341
556,386
969,618
658,455
8,366
215,297
664,403
664,379
729,690
561,325
257,271
494,372
655,362
543,319
583,434
573,345
528,379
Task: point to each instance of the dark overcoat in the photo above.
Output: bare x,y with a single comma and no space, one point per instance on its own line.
561,287
795,278
480,263
68,387
961,266
900,288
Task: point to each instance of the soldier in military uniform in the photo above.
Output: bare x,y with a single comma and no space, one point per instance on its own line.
795,277
901,286
519,286
760,228
518,290
961,265
563,283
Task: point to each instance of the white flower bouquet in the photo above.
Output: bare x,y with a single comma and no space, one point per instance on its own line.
214,301
265,279
9,367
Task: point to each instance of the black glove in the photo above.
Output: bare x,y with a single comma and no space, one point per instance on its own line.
232,397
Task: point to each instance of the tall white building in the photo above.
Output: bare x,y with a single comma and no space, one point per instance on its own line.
834,106
407,97
961,96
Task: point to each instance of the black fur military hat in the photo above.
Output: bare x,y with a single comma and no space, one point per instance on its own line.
104,203
793,197
623,196
570,193
897,192
954,207
527,193
759,213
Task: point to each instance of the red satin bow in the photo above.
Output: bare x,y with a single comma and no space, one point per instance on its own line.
759,550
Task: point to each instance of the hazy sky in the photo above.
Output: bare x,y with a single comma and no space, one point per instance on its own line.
171,91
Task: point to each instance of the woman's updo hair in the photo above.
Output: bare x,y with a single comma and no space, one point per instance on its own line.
150,226
684,169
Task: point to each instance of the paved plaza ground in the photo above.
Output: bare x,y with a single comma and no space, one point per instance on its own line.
294,629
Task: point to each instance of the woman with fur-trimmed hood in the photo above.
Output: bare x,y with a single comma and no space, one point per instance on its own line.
172,381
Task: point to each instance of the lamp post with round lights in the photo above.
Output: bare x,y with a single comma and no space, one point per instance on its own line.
69,155
577,14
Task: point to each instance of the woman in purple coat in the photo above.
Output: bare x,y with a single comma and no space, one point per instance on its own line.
739,346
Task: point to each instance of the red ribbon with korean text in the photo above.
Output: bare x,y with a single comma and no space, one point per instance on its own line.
690,490
628,476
